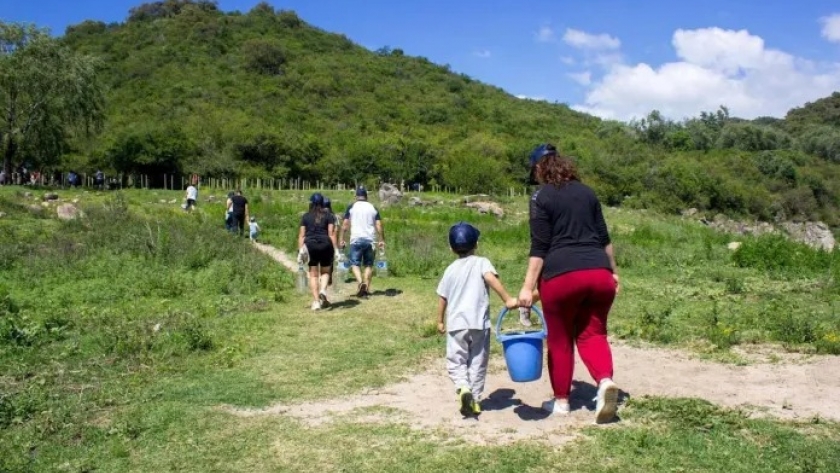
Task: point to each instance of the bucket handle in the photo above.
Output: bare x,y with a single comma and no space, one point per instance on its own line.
504,312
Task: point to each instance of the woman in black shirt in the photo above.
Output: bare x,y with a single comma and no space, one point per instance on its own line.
572,264
317,235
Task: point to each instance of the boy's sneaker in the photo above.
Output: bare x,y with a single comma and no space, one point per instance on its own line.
606,403
555,407
362,290
316,305
525,316
322,298
476,407
467,402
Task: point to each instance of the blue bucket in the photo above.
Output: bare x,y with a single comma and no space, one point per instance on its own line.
523,350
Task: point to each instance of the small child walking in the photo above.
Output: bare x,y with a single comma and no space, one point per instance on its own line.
465,303
253,229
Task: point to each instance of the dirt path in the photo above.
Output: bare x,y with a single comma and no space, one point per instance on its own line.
278,255
796,387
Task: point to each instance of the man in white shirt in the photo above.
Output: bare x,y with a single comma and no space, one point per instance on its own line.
192,196
364,223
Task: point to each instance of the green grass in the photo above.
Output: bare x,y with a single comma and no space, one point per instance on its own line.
122,334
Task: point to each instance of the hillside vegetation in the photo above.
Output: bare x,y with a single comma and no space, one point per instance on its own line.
192,89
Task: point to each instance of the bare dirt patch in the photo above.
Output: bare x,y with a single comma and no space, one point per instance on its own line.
427,401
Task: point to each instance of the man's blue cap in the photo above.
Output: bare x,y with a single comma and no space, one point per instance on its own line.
361,192
463,236
541,151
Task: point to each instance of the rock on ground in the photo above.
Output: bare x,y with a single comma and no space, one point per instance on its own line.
68,212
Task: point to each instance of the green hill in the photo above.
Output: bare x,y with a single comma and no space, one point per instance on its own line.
264,94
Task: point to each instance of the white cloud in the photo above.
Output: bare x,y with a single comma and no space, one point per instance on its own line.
582,78
569,61
583,40
544,35
483,53
831,27
715,67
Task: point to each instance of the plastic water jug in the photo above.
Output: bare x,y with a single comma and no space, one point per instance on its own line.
302,278
382,264
342,267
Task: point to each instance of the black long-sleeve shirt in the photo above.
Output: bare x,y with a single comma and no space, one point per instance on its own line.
568,230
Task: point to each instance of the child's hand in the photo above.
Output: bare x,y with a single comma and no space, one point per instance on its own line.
512,303
441,327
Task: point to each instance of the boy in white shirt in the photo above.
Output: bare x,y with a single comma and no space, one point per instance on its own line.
253,229
465,301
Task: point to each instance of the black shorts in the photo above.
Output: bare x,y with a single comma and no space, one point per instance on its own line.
320,255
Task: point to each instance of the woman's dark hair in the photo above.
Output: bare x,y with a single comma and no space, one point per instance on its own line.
556,170
318,211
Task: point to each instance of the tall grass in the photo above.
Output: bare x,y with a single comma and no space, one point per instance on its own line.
115,292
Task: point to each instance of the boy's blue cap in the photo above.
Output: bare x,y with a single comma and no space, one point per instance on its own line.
463,236
317,199
327,203
361,192
546,149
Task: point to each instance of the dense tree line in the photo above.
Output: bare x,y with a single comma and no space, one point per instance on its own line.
192,89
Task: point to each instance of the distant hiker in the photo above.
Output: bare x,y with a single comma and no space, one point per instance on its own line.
364,223
229,212
99,180
572,264
465,302
317,238
253,229
2,177
239,212
73,179
192,196
336,219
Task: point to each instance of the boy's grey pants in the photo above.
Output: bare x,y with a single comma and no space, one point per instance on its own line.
467,353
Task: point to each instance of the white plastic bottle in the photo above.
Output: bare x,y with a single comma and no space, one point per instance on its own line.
382,264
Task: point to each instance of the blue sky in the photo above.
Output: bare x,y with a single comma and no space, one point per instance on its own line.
603,57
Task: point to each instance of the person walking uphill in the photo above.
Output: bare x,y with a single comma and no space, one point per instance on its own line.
317,234
238,212
465,302
364,223
572,263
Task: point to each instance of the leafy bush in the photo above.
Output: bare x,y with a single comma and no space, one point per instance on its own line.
778,254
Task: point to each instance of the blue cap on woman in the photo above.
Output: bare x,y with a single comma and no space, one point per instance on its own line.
317,199
541,151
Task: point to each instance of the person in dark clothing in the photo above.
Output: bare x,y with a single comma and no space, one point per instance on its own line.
238,212
317,238
572,265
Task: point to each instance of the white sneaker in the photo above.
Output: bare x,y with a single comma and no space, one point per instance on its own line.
555,407
316,305
606,403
